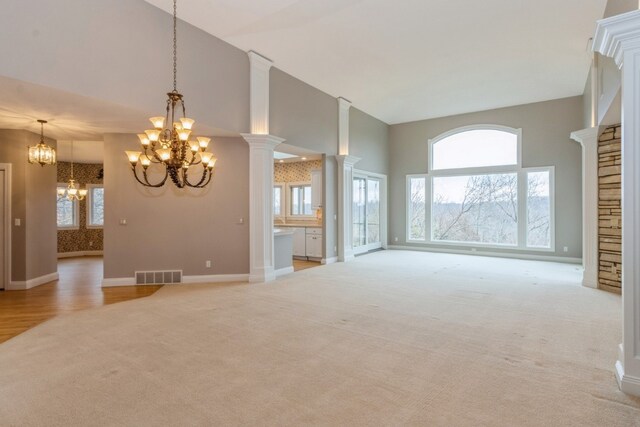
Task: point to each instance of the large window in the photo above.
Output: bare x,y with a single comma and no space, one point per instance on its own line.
477,193
67,211
95,206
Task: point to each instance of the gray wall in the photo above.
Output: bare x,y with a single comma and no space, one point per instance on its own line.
369,140
545,142
120,51
303,115
176,229
616,7
33,201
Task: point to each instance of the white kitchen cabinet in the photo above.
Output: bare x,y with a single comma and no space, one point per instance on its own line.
316,188
299,242
314,242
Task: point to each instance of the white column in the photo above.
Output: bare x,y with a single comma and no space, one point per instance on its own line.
259,93
345,202
619,37
261,145
588,139
261,262
343,126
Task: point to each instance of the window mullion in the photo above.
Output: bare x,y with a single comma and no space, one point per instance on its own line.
428,189
522,209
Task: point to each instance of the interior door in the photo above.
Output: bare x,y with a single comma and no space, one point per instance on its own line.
3,243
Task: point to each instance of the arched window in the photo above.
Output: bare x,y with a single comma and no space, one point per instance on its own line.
475,147
478,194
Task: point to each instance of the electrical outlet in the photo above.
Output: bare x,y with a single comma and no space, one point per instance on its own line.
90,244
395,239
240,220
566,249
208,264
335,249
123,221
18,222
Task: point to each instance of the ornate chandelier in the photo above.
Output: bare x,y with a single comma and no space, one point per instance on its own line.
42,153
72,192
168,144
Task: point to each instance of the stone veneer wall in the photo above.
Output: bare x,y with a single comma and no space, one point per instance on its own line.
610,209
83,239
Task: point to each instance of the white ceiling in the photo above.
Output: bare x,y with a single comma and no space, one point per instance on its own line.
83,151
69,116
290,153
408,60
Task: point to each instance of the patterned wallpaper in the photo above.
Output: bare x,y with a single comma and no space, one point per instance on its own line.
296,171
79,240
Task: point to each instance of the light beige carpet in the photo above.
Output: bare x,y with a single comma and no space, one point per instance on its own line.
392,338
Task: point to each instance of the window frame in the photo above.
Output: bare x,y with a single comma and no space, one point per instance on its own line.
76,211
89,206
283,206
288,213
522,176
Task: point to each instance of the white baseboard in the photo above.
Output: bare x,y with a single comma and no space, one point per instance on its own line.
32,283
284,271
531,257
215,278
627,383
79,254
122,281
331,260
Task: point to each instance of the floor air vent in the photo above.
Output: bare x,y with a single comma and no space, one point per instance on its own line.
158,277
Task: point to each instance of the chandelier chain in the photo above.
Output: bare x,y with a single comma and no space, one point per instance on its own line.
175,47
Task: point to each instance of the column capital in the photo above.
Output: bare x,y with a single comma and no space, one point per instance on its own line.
347,160
344,103
588,136
616,34
266,141
259,61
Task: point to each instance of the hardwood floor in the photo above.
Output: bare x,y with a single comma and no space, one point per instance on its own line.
78,288
299,264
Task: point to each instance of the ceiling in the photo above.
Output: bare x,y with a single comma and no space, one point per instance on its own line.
70,116
414,59
83,151
286,153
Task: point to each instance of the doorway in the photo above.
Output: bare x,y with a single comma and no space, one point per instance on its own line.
369,212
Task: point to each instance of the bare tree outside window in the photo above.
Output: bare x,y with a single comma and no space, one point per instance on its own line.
485,210
417,207
538,210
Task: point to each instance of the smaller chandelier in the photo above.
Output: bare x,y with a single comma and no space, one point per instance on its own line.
168,144
72,192
42,153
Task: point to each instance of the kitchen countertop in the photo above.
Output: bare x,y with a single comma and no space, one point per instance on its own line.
281,232
297,225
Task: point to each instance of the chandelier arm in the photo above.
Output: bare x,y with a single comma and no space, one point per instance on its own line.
202,179
208,180
146,182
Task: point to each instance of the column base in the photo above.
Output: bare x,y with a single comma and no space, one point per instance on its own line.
262,276
627,383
